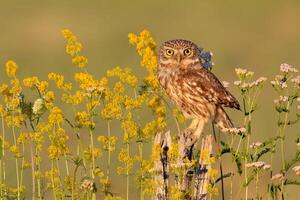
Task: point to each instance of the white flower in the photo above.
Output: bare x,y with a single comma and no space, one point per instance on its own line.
87,184
237,83
255,145
225,84
277,176
240,71
257,164
38,106
266,167
234,130
296,169
296,80
287,68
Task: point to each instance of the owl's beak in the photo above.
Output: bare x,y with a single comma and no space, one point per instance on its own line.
178,58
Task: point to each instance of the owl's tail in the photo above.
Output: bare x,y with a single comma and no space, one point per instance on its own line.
222,120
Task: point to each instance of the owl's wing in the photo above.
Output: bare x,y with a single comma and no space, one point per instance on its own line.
205,84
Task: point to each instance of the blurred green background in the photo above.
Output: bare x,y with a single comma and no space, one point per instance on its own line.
258,35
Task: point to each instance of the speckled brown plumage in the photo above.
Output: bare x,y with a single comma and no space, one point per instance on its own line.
194,89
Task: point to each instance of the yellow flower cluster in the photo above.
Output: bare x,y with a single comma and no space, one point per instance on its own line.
130,128
58,147
11,68
124,75
73,48
82,119
126,160
108,143
74,99
89,153
88,83
206,157
145,46
55,116
60,81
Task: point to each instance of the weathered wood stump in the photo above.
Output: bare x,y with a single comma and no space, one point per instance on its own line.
195,180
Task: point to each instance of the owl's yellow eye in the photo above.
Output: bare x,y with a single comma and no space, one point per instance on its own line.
169,52
187,52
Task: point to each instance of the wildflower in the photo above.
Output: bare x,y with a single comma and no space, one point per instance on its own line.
298,145
54,152
225,84
234,130
266,167
243,73
23,138
81,61
126,160
59,81
286,68
255,145
31,82
257,164
296,80
11,68
296,169
55,116
108,142
237,83
88,184
38,106
68,35
212,190
15,150
277,176
281,99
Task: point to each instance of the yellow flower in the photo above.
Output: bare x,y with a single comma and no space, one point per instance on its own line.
178,115
59,80
31,82
81,61
83,120
11,68
75,99
126,160
68,35
130,128
108,142
23,138
73,48
212,190
55,116
15,150
54,152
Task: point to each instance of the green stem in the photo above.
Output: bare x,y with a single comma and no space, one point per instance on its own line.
2,172
32,171
16,164
22,166
52,179
141,166
109,147
127,174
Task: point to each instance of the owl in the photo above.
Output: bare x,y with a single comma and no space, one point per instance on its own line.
193,88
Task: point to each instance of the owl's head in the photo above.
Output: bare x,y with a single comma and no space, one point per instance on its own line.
178,53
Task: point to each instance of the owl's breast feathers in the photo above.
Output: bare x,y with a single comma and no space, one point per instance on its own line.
204,83
199,84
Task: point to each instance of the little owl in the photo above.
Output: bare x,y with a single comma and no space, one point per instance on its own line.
195,90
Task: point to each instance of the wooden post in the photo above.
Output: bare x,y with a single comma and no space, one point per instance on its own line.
161,166
201,177
193,190
186,143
